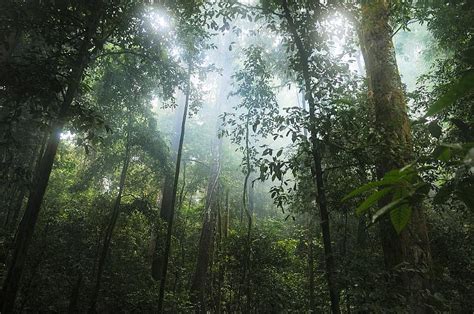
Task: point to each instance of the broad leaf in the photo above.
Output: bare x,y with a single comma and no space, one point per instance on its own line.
371,185
371,200
387,208
400,216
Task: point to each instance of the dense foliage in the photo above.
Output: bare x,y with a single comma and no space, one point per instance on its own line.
311,168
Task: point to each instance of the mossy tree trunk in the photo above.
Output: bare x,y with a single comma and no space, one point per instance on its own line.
411,246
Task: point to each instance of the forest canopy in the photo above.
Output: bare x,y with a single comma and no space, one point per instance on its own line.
237,156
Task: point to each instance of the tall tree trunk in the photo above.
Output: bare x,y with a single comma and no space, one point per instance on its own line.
411,246
199,282
169,231
316,154
166,199
200,279
113,220
40,182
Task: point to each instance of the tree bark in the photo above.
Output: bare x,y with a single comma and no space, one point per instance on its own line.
113,220
167,248
316,155
411,246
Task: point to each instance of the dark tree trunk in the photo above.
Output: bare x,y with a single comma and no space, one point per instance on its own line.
23,145
316,154
160,233
113,220
169,231
386,95
40,182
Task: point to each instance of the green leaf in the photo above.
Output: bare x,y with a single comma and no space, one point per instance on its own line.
387,208
400,216
442,153
434,129
372,199
455,91
369,186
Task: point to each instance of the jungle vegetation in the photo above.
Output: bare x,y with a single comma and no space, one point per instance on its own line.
236,156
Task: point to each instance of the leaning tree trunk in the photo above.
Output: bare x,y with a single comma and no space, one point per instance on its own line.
169,231
40,182
303,56
411,246
113,220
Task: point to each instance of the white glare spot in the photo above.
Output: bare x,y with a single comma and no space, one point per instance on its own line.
159,21
67,136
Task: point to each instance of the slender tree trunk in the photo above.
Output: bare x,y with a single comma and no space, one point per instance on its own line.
26,228
164,268
245,283
316,154
113,220
386,95
165,207
312,295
